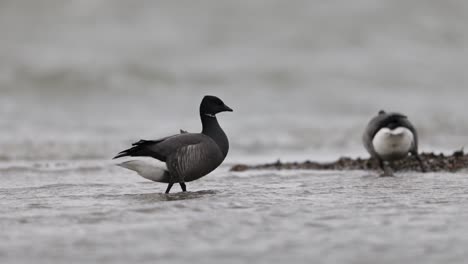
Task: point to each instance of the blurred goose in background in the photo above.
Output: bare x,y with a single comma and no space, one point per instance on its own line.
184,157
389,137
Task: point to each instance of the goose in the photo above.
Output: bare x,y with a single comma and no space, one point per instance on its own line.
184,157
390,137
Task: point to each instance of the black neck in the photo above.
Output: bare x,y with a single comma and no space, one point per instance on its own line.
212,129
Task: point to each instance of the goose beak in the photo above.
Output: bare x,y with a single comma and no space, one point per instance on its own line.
227,108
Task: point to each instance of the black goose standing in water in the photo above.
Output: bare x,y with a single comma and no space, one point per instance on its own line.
389,137
187,156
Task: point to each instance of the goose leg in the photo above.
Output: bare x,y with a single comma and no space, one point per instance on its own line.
382,164
183,186
387,170
169,186
421,164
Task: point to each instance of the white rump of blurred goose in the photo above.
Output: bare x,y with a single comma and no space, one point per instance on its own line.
183,157
389,137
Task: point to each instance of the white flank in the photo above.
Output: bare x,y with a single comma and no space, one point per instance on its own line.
149,169
396,142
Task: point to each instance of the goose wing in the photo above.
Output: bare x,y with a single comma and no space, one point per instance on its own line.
194,161
161,149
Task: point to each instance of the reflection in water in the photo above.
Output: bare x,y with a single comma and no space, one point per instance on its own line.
176,196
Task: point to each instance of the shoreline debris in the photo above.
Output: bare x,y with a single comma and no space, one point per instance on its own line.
433,162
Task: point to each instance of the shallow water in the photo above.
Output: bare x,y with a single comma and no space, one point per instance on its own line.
81,80
104,214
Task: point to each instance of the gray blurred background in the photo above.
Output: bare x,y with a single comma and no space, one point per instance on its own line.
80,79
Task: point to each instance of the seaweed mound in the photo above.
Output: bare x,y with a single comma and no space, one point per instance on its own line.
433,163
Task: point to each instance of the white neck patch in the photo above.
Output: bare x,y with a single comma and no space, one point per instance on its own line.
210,115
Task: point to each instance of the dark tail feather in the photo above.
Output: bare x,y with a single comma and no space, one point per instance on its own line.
143,142
127,152
122,154
138,149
